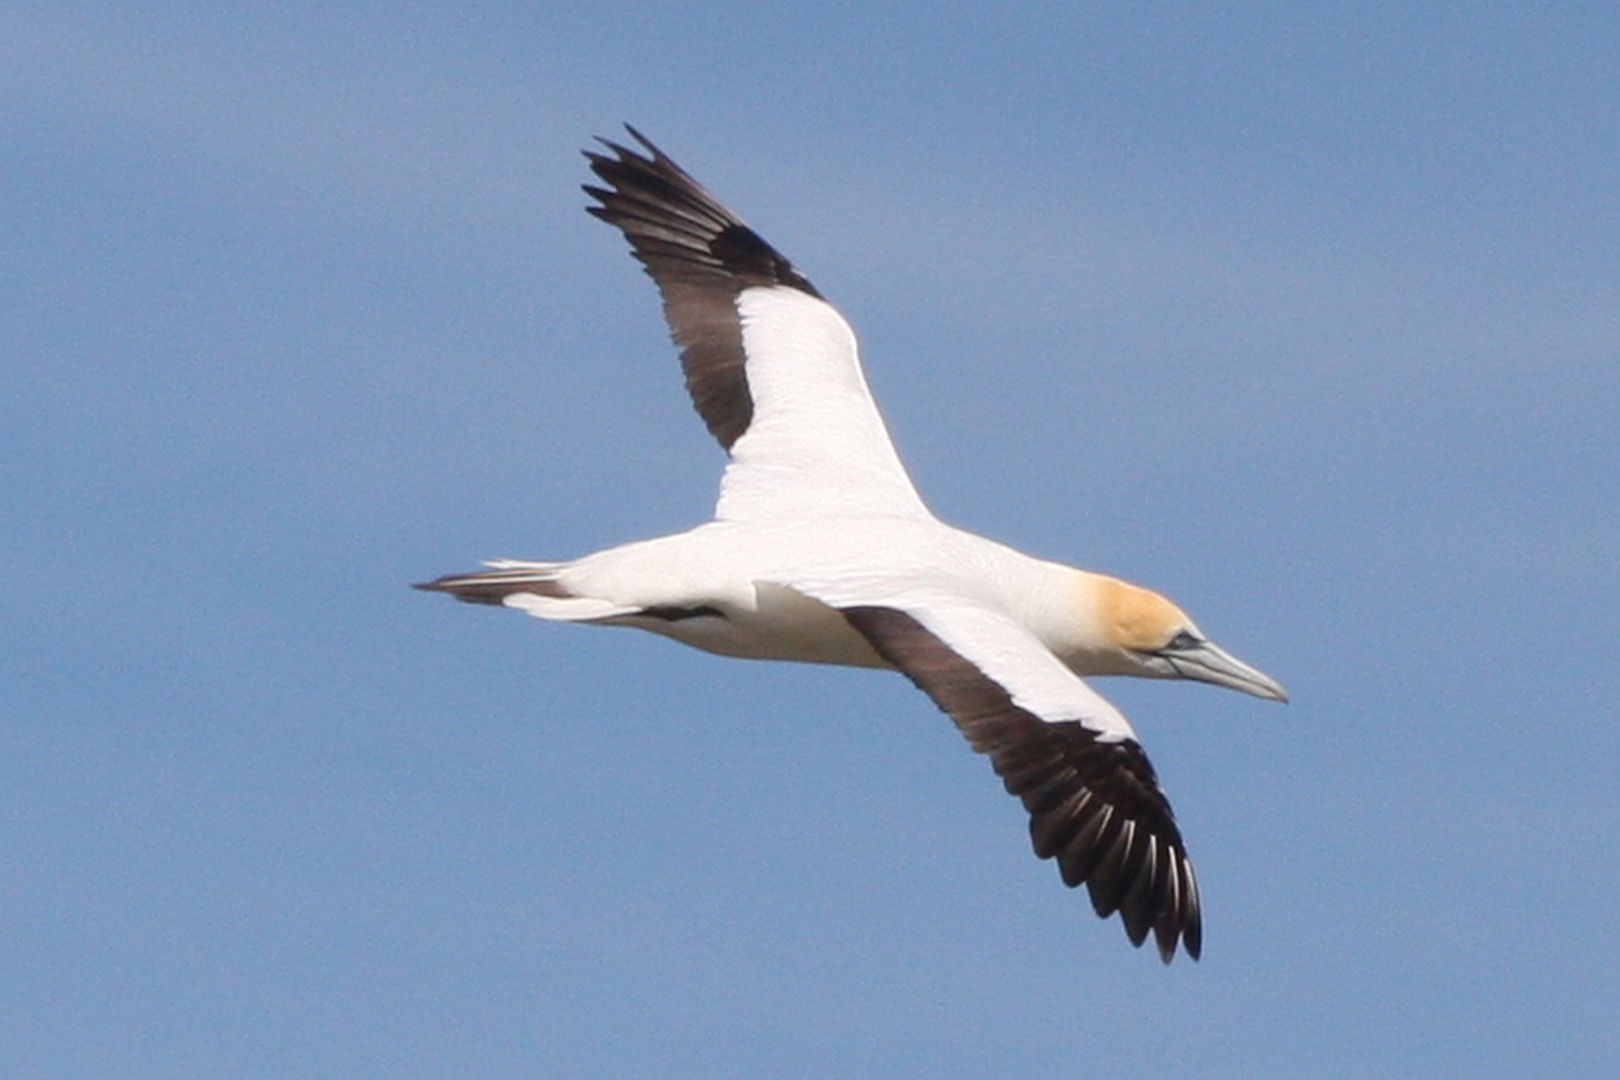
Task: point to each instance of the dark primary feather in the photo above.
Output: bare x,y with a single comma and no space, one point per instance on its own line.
701,255
1095,807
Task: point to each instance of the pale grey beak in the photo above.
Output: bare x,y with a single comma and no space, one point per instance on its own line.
1208,662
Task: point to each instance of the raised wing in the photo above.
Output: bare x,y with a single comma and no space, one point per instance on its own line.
1094,801
771,366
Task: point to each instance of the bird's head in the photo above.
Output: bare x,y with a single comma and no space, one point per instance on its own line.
1153,637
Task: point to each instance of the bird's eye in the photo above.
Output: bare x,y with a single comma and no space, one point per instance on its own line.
1184,639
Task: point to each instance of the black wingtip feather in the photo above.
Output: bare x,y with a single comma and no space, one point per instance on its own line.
668,197
702,256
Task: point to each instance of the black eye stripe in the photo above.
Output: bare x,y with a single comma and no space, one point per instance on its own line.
1184,639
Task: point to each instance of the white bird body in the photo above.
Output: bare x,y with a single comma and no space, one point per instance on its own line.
753,571
822,551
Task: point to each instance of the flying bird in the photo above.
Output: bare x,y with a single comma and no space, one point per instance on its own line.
821,550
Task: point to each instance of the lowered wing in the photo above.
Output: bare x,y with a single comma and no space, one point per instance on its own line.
1094,801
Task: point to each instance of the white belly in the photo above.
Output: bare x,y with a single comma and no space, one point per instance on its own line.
780,625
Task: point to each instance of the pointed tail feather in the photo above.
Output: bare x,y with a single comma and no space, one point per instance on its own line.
531,587
503,578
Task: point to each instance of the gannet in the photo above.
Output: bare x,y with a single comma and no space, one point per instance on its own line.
821,550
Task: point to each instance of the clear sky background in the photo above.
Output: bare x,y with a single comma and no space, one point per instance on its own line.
1305,314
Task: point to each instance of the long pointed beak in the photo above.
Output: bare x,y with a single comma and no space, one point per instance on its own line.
1208,662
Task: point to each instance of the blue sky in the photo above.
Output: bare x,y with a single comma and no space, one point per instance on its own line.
1308,315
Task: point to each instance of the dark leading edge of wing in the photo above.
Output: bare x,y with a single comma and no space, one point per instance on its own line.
1094,806
701,255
